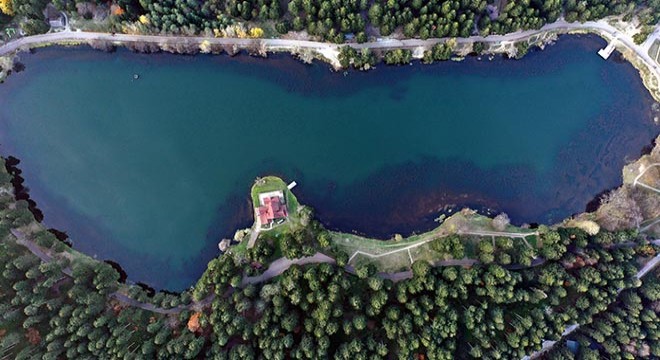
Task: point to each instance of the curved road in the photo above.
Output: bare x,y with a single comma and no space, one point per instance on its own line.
549,344
330,50
282,264
45,257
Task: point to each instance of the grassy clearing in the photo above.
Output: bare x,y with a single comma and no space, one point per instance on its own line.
392,263
470,243
395,251
240,248
654,50
533,240
273,183
426,253
266,184
362,242
394,254
353,243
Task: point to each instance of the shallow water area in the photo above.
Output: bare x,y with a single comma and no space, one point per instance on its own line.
153,172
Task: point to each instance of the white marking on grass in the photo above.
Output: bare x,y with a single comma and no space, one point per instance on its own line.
637,182
373,256
650,225
420,243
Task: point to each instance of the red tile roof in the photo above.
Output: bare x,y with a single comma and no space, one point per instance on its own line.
271,209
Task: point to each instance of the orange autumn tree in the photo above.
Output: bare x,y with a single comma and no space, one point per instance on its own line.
193,322
117,10
6,7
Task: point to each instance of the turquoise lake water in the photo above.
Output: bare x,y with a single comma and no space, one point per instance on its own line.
153,173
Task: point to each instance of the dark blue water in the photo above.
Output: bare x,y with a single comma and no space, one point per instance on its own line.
153,173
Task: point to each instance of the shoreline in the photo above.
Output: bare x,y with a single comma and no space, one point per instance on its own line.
416,230
329,52
350,253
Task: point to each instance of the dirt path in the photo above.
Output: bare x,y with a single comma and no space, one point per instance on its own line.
652,224
45,257
254,234
637,182
278,267
499,233
282,264
430,236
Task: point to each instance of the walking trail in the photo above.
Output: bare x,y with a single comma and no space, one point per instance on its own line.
280,265
331,51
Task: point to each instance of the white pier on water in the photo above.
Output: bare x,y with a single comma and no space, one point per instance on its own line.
607,51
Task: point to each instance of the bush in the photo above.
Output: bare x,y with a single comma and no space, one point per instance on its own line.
34,27
398,57
478,47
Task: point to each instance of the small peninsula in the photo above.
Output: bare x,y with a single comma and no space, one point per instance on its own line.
474,287
473,198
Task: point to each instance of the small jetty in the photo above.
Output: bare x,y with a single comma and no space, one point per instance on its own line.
607,51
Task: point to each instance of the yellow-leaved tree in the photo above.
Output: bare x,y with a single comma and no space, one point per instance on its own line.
205,47
256,32
6,7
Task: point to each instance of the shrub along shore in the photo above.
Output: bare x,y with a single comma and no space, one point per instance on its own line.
361,56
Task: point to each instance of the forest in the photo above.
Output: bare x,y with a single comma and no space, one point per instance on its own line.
337,20
57,303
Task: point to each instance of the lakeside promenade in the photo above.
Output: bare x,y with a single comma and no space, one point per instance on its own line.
330,51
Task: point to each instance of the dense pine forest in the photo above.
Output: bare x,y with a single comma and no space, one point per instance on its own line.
59,304
333,20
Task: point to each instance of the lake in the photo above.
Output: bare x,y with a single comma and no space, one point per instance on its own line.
152,173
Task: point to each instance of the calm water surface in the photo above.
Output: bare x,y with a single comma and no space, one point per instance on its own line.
153,173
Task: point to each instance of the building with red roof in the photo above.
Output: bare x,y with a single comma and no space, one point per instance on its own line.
272,208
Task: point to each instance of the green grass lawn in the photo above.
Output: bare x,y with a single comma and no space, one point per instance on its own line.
293,222
240,248
273,183
533,240
266,184
396,260
391,264
426,253
465,222
654,50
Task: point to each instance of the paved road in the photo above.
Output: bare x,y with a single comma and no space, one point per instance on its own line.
46,257
276,268
652,224
329,50
36,249
289,43
254,234
280,265
649,266
549,344
146,306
